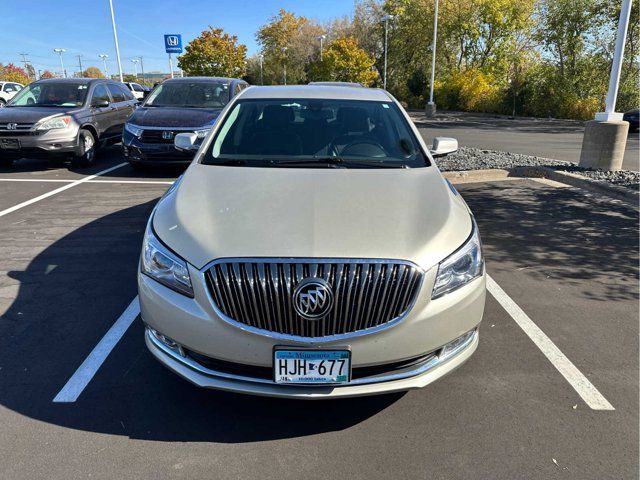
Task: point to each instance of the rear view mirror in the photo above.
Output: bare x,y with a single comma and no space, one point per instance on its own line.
186,141
443,146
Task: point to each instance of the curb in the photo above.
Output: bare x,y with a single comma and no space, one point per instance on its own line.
573,179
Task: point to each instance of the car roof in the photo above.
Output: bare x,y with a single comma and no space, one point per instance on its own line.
74,80
339,84
328,92
204,79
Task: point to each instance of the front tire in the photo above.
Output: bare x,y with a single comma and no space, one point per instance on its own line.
6,162
86,154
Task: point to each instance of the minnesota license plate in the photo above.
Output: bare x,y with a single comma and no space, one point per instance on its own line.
306,366
9,143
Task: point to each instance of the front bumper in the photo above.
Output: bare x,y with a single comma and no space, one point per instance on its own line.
136,151
438,366
195,325
43,145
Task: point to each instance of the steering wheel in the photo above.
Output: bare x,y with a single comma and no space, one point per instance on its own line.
364,148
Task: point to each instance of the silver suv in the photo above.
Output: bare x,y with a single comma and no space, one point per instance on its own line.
62,118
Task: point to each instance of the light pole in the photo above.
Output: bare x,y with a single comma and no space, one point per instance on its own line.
115,40
261,57
605,137
142,69
104,57
135,67
284,64
60,51
321,38
431,107
386,19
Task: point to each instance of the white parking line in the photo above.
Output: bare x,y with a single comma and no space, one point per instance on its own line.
58,190
52,180
568,370
85,372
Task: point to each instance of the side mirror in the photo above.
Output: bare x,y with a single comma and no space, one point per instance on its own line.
443,146
100,104
145,94
186,142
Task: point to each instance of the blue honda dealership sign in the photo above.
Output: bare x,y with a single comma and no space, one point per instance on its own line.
173,43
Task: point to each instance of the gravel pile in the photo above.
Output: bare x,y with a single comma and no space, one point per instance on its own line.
467,158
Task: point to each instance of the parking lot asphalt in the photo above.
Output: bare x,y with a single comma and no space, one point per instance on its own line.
547,138
67,272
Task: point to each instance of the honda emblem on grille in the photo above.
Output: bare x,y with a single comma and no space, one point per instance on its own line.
167,135
12,126
313,298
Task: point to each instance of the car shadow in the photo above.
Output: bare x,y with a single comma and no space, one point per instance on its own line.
559,233
106,157
68,296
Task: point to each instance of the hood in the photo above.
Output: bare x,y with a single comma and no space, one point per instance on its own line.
174,117
30,114
404,214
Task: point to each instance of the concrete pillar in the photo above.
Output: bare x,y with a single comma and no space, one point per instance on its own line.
430,109
603,145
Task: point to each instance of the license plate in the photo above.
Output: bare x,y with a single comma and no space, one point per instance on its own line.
312,367
9,143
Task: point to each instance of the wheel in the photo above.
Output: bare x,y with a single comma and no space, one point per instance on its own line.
6,162
87,149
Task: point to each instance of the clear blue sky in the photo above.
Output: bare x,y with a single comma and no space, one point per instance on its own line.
84,27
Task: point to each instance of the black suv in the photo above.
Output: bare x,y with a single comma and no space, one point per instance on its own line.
179,105
64,117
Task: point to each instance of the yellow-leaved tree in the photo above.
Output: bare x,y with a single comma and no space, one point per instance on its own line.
344,61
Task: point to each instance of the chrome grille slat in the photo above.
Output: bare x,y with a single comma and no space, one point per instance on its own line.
367,293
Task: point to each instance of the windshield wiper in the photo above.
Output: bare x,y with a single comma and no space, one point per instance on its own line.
333,162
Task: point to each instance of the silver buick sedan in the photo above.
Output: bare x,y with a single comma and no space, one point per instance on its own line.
312,250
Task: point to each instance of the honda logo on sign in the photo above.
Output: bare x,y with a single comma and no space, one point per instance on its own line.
173,43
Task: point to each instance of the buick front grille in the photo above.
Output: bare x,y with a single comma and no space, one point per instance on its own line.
313,297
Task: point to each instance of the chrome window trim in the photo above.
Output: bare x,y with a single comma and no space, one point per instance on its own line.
432,363
327,338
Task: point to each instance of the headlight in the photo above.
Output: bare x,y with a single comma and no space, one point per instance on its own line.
163,265
55,122
203,132
460,267
133,130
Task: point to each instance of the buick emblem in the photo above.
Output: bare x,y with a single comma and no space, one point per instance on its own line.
12,126
167,135
313,298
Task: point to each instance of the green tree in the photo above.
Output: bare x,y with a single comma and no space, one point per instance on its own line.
344,61
93,72
288,42
214,54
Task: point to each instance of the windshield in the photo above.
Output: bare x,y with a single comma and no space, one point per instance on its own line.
189,94
51,95
303,132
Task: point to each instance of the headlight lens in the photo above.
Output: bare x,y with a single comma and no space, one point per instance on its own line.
203,132
53,123
460,267
163,265
133,130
